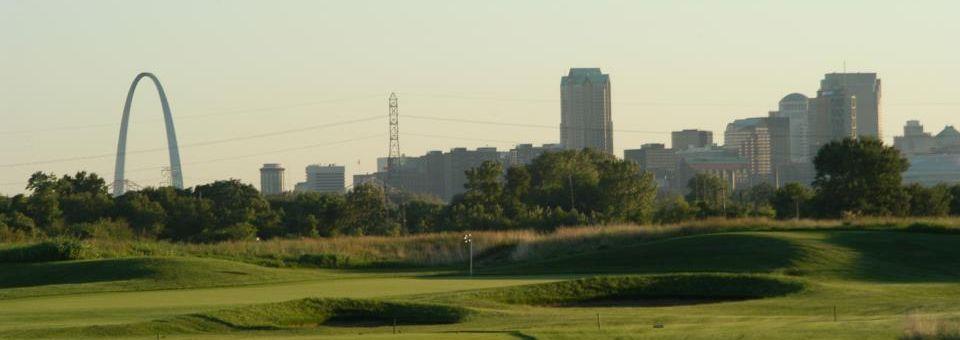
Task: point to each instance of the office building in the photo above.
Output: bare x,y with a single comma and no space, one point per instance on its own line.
271,179
526,153
723,163
657,160
324,178
795,107
917,142
585,115
833,116
865,87
654,157
750,140
690,138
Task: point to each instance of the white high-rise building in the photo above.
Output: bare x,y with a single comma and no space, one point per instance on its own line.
324,178
271,179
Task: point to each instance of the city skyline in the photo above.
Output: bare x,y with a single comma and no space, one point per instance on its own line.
654,95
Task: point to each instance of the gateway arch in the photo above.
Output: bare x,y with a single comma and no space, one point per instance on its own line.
175,170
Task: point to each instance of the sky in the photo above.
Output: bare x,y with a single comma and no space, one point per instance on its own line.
305,82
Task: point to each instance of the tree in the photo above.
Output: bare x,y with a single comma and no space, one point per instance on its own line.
929,201
421,216
792,201
146,217
860,177
955,199
186,213
235,203
591,183
675,210
709,193
626,193
366,213
308,214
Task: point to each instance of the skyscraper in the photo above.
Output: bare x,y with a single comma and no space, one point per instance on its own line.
585,116
833,116
271,179
690,138
796,108
866,88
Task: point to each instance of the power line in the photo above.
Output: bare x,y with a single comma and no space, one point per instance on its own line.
269,152
554,127
205,143
189,116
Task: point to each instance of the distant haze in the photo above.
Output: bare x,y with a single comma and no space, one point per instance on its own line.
234,70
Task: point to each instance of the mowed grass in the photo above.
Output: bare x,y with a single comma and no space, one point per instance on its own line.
877,282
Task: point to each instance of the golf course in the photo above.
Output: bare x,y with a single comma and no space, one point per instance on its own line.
783,283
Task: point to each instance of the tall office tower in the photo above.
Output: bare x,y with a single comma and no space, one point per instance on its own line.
751,138
325,178
866,88
690,138
271,179
833,116
796,108
585,119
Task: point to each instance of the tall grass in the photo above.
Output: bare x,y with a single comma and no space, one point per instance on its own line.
439,249
926,327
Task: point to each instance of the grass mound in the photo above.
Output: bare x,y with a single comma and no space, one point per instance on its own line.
50,250
725,252
132,274
296,314
655,290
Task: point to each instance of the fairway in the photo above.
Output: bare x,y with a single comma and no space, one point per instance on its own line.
819,284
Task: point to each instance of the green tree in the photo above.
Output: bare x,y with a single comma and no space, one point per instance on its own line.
146,217
421,216
675,210
929,201
235,203
860,177
709,193
955,199
792,201
187,215
625,192
366,213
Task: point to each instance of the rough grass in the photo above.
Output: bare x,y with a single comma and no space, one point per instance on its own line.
134,274
296,314
927,327
491,247
648,290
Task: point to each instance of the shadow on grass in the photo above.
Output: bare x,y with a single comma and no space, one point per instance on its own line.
50,273
901,256
729,252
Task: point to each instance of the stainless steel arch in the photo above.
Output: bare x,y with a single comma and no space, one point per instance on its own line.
175,170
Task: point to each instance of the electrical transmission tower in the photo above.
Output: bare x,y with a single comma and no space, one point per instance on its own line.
166,177
393,158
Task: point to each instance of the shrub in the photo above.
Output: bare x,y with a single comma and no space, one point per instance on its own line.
236,232
104,229
53,250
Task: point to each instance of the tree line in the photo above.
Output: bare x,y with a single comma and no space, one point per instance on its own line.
855,177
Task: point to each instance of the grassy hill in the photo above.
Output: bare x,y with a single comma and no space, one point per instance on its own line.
136,274
785,284
894,256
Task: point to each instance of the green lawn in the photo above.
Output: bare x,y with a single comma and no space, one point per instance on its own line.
873,279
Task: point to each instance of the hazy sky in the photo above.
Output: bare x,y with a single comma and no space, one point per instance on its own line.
236,72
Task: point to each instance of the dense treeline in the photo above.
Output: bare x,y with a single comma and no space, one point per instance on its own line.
854,178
